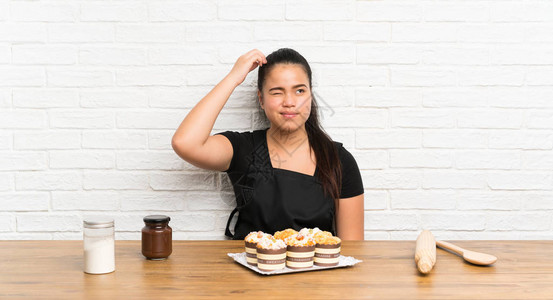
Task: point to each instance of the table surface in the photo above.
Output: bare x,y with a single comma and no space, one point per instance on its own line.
202,269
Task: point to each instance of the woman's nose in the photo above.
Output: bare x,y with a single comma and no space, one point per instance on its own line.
289,100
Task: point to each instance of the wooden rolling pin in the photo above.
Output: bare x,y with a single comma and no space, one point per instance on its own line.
425,252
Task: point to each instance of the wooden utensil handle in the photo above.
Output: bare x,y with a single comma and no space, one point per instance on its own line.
446,245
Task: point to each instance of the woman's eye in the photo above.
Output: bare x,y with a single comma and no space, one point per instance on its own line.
300,91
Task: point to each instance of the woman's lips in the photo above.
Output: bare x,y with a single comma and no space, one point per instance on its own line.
289,115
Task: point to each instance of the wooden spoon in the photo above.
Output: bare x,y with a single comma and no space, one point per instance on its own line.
474,257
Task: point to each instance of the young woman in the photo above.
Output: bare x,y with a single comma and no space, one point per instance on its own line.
290,175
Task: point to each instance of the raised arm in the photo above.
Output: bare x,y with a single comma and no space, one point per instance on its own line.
192,140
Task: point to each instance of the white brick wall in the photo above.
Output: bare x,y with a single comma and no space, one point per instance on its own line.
446,105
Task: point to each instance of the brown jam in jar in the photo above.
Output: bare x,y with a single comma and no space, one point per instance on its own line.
157,237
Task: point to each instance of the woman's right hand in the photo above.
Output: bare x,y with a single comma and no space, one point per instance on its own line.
245,64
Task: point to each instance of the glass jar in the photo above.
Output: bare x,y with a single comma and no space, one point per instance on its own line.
157,237
99,245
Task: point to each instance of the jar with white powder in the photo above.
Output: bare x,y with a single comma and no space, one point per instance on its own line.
99,245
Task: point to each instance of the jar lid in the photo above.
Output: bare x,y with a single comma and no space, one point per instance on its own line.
156,219
98,222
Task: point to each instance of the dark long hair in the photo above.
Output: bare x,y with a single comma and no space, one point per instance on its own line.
328,162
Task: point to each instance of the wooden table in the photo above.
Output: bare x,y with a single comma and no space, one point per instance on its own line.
202,269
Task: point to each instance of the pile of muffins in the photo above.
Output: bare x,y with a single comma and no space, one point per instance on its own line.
293,249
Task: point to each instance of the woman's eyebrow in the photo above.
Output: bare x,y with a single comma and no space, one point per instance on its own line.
294,87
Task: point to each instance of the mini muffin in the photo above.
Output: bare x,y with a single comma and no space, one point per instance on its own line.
310,232
251,242
300,251
271,253
282,235
327,251
321,236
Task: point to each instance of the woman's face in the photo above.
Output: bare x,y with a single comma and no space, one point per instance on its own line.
286,97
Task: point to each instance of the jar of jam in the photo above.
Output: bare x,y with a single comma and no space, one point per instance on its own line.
157,237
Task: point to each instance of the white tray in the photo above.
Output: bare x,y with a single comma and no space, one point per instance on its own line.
345,261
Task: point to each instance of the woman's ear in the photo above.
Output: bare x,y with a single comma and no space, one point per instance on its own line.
260,98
